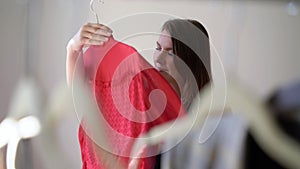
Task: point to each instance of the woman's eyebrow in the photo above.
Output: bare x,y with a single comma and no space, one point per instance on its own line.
166,49
169,49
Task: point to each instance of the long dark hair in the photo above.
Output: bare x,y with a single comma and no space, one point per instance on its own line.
191,44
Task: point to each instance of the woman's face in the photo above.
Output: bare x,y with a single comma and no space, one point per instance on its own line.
164,60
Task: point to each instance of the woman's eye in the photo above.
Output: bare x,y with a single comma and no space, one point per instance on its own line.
158,48
171,53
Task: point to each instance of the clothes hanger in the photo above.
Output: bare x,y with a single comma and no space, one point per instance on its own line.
21,121
269,136
93,11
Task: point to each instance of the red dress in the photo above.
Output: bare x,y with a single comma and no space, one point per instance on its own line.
122,82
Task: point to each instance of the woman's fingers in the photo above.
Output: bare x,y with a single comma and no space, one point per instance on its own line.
97,29
100,37
93,36
90,34
87,42
103,32
99,26
94,42
95,33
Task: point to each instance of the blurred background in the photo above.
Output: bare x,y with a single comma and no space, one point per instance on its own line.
257,41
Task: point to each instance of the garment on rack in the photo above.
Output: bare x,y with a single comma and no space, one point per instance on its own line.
284,105
222,150
122,81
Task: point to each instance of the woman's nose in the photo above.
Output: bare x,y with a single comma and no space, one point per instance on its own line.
160,57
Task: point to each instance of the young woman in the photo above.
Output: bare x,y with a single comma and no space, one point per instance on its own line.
182,57
183,46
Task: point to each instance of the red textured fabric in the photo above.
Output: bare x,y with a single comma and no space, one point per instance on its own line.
115,72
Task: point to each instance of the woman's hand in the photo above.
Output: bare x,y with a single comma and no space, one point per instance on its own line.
89,34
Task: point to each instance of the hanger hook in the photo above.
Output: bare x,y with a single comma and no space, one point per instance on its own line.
92,9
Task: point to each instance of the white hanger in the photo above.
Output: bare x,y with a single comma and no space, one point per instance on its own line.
21,122
92,9
269,136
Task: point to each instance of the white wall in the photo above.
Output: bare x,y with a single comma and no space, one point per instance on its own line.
12,33
260,38
269,53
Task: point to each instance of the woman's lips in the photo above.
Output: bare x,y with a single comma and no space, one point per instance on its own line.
162,69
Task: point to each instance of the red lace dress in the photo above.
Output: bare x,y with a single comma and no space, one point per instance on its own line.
122,82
